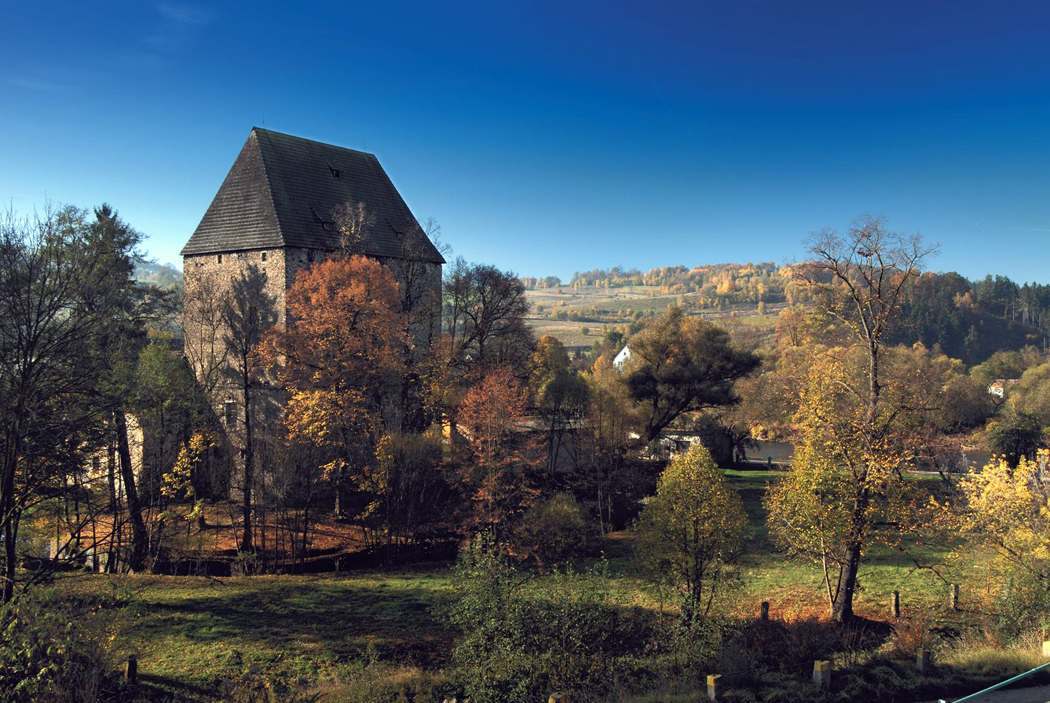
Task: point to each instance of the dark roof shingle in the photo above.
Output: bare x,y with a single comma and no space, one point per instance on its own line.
284,190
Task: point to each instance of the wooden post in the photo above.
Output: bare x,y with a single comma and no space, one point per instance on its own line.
954,599
1046,649
895,604
765,610
924,661
132,675
714,687
558,698
822,673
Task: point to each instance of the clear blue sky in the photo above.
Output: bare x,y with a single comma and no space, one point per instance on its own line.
553,137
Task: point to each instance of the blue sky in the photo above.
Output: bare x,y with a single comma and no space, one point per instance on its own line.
553,137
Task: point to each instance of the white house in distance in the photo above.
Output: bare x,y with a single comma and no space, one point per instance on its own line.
622,358
1000,385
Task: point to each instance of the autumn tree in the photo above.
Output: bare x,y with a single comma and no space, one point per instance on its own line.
1031,395
812,511
560,398
498,473
415,267
340,359
691,529
861,277
249,313
606,437
683,364
1007,510
181,480
1016,436
412,490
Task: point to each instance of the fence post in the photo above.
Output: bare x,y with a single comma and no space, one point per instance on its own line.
765,610
132,674
714,687
822,673
1046,649
924,661
895,604
954,599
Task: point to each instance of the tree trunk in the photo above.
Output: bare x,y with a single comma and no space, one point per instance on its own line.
139,536
9,560
249,460
842,609
114,531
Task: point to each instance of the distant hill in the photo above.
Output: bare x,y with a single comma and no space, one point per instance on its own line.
969,320
161,275
744,298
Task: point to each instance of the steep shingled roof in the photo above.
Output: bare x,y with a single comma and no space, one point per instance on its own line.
282,191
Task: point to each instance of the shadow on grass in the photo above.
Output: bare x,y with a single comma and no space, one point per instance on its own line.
334,618
153,687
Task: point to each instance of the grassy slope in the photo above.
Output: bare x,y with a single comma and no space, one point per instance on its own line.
184,628
614,302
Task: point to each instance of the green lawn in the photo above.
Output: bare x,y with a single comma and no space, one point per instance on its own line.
184,629
325,627
794,588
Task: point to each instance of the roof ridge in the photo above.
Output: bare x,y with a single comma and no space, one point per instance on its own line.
313,141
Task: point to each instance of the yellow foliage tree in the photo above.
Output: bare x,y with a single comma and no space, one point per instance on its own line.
845,489
691,529
1008,510
178,484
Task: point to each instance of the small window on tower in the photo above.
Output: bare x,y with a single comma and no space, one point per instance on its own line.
220,258
264,256
230,412
310,255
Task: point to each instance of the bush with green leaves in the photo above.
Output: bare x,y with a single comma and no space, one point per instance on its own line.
690,530
525,636
554,532
58,649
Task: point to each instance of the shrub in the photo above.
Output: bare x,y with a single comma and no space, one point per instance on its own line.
525,637
910,635
1021,605
553,533
56,649
1008,510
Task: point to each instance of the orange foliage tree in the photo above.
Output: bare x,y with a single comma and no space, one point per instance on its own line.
340,359
498,472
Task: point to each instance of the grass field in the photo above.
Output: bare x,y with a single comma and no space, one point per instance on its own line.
334,628
613,305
